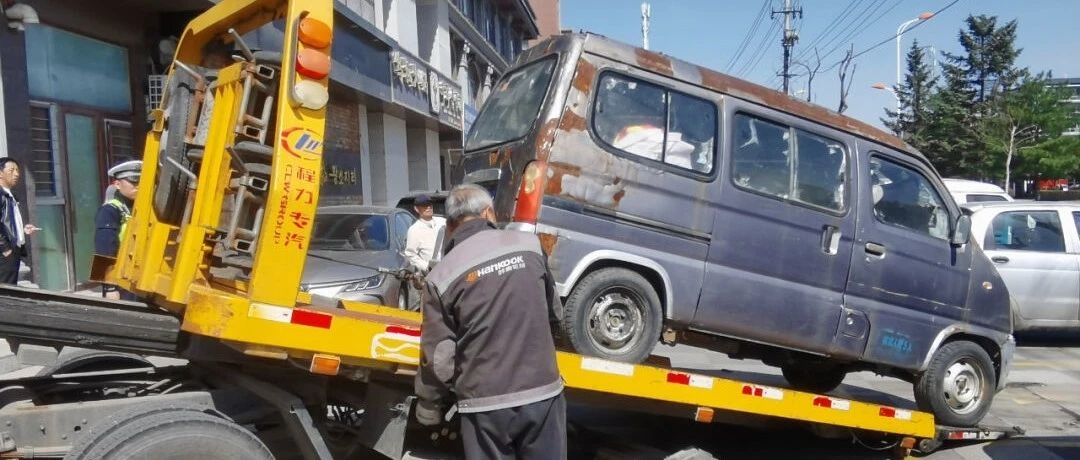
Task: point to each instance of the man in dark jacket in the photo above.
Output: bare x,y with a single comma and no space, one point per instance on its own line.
487,341
13,231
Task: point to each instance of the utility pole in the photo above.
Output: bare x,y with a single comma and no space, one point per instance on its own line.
646,13
790,37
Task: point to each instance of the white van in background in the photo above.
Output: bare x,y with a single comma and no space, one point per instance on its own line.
970,191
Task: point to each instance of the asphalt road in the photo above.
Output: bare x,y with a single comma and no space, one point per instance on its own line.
1042,397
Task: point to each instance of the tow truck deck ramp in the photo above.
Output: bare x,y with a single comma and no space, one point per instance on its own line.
361,340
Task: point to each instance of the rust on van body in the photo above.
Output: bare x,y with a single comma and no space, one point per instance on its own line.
583,76
739,88
758,94
655,62
544,138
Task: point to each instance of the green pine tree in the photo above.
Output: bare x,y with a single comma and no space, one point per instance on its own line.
910,121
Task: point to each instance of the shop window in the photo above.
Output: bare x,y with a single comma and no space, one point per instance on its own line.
63,66
120,142
43,164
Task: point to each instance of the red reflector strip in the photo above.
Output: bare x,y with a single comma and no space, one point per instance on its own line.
310,318
403,330
830,403
894,413
763,392
681,379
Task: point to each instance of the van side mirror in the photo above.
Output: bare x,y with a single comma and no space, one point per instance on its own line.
962,233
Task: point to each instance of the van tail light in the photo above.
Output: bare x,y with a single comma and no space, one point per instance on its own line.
530,193
311,66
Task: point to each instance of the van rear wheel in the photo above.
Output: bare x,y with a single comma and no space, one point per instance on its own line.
958,385
615,314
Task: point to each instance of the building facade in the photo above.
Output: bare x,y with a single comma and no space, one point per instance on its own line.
78,84
1072,85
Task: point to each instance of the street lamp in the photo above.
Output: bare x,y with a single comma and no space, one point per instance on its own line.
899,33
888,88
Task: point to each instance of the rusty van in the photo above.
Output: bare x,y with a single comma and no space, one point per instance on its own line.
679,204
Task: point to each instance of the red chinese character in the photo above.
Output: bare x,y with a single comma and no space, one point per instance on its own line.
294,238
299,219
305,174
304,195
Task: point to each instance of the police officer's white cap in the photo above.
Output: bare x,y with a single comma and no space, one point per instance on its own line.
129,170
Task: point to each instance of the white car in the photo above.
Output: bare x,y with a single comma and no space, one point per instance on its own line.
1035,247
969,191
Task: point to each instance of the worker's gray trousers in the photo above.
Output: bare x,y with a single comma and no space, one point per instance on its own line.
532,431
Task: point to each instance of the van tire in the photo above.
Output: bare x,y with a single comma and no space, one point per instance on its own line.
958,385
615,314
814,378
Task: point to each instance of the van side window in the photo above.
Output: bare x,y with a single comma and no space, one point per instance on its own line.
1026,231
820,174
814,172
656,123
904,197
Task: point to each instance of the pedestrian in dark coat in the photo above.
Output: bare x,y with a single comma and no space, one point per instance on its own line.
486,338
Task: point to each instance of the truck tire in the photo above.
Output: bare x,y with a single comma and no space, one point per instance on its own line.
958,385
814,378
614,313
168,432
171,185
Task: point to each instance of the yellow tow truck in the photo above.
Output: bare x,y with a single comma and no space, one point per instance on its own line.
215,247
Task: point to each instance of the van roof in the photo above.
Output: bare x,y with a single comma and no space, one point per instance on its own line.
968,186
716,81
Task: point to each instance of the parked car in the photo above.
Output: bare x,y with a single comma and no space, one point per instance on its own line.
348,246
1037,252
438,202
679,204
970,191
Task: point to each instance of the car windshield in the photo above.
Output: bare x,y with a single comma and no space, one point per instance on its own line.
350,232
512,108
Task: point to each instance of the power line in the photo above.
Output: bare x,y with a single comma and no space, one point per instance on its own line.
853,27
828,28
759,52
749,35
892,37
867,25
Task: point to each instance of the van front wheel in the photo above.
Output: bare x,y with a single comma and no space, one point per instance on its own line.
958,385
615,314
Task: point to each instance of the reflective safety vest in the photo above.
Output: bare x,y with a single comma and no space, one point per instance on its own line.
125,214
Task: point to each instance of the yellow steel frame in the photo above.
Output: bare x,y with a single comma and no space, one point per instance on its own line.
358,336
165,262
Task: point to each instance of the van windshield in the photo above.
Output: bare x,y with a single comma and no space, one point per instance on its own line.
512,108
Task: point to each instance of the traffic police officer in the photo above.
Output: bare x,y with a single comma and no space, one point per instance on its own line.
113,215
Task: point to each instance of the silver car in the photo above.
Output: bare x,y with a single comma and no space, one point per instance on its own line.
1036,249
349,244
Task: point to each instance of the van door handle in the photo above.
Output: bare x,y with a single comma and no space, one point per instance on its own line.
830,240
876,250
1000,259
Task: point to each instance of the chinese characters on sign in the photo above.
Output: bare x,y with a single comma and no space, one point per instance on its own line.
444,98
336,175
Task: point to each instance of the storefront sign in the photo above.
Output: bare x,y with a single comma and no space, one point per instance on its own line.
443,97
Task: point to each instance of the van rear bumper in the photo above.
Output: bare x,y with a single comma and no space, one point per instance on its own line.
1007,350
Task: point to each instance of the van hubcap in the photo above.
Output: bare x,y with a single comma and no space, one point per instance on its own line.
962,387
615,321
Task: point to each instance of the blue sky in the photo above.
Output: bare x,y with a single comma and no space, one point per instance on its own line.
709,32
